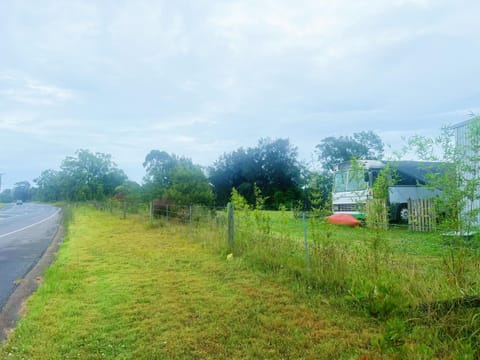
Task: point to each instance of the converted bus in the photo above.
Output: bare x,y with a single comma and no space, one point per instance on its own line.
353,186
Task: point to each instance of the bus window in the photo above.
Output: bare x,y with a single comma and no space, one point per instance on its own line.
356,181
340,183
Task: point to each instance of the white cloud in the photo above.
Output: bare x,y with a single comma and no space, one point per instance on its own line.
147,31
38,94
24,90
29,123
202,78
185,123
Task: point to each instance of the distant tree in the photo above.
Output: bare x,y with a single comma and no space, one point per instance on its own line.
176,178
49,186
272,166
89,176
189,186
363,145
238,170
129,191
158,165
22,191
6,196
318,191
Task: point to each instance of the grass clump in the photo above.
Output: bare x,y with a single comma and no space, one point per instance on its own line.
120,290
384,275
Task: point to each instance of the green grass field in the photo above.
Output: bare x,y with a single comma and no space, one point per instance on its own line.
121,290
131,289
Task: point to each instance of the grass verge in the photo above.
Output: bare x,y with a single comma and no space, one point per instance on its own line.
121,290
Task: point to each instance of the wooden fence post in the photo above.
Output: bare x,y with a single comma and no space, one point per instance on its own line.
190,219
151,212
231,224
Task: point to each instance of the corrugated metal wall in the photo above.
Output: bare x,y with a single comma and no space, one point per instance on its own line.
463,143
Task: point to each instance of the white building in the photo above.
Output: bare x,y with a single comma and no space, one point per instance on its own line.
467,144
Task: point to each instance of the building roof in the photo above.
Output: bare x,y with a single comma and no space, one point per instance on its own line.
461,124
418,169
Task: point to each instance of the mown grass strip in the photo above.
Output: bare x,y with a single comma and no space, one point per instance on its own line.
121,291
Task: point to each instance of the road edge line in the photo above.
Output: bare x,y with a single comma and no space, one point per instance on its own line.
10,314
31,225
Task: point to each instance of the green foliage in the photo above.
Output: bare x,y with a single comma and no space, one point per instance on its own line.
318,192
129,191
90,176
259,199
189,186
22,191
238,201
271,166
363,145
384,180
175,178
49,186
85,176
460,178
6,196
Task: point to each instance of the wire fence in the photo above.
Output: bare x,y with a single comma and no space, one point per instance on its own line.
367,266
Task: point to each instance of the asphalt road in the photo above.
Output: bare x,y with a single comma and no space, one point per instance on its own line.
25,233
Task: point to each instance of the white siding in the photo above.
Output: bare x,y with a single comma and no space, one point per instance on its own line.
462,141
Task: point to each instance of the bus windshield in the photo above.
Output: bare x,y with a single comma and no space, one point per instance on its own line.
340,182
349,181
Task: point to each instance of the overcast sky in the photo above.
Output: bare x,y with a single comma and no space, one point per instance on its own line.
202,77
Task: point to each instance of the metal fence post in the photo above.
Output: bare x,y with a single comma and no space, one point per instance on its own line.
166,214
305,241
124,209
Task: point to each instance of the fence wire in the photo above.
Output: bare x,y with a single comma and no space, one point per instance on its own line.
352,262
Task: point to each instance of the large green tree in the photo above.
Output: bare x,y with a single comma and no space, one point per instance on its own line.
90,176
272,166
189,186
85,176
175,178
129,191
362,145
22,190
238,170
49,185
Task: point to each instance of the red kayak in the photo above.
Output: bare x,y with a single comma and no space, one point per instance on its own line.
343,219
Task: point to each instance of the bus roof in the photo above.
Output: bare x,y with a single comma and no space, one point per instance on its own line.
415,169
418,169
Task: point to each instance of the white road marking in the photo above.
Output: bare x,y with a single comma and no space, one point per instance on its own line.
31,225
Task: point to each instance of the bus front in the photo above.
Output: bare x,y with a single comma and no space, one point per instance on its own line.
350,190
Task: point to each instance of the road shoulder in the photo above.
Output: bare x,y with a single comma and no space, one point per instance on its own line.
11,312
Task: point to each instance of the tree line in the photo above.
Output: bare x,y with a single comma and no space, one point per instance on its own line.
271,169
